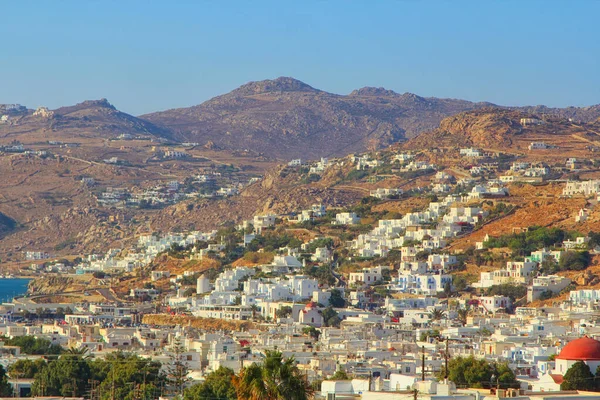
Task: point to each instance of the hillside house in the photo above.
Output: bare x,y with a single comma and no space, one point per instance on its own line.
540,146
471,152
587,188
346,218
531,121
385,193
582,215
494,303
403,158
552,283
261,222
368,276
580,242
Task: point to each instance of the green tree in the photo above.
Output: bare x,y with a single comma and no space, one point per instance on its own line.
276,379
578,377
429,334
509,290
447,289
463,314
178,368
437,315
472,372
33,345
574,261
336,299
340,375
284,312
122,375
25,368
312,332
460,283
5,388
330,317
67,376
217,385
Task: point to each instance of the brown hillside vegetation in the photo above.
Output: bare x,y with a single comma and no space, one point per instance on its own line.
291,119
206,324
498,129
537,205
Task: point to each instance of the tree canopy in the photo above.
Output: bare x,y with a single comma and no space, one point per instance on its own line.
472,372
217,385
579,377
276,379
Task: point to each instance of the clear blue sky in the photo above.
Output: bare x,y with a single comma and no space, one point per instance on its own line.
152,55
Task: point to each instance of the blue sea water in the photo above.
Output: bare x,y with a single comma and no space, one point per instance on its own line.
10,288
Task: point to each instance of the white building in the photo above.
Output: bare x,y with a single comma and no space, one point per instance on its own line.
263,221
551,283
538,146
587,188
384,193
494,303
202,285
368,276
471,152
347,218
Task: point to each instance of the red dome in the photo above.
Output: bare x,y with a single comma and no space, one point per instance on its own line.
582,349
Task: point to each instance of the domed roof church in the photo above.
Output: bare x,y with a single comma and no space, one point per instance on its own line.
583,349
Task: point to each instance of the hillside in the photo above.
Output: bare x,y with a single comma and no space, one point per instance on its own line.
577,114
7,225
501,130
288,119
89,119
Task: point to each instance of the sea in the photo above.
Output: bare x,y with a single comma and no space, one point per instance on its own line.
12,287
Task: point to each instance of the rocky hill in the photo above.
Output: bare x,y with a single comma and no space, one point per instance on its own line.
91,118
501,129
288,118
281,191
577,114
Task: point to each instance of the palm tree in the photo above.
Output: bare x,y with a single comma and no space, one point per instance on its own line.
437,315
463,314
82,352
276,379
254,309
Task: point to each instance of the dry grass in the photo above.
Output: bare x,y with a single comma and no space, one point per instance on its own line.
206,324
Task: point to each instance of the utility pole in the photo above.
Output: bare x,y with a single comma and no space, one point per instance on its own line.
446,357
423,363
94,389
112,391
144,389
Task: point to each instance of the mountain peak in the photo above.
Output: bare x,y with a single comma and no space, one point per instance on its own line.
373,91
85,105
102,103
281,84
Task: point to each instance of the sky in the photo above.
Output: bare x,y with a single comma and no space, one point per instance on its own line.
148,55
